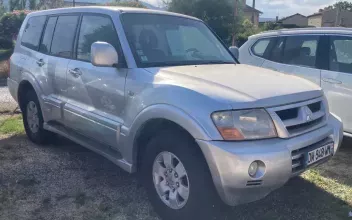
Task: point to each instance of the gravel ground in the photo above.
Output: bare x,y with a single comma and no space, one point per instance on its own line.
66,181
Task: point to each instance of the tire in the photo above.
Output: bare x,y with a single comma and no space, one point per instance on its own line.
38,134
203,201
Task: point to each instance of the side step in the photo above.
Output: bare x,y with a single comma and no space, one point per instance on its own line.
106,151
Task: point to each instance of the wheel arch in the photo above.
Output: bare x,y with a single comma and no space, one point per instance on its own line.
156,119
23,87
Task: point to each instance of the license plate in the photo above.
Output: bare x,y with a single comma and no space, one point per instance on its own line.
320,153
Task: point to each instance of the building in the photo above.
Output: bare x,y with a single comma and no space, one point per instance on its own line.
248,12
315,20
297,20
331,18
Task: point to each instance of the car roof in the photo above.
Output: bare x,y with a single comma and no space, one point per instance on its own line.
106,10
304,31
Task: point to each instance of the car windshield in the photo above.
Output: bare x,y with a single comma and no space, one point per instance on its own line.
164,40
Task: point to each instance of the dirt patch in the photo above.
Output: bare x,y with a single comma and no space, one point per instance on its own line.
66,181
4,69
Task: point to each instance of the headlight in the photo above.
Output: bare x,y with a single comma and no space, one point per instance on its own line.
244,124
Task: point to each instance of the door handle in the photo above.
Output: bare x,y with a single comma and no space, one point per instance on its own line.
76,72
332,81
40,62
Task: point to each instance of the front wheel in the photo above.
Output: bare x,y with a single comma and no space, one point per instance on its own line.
177,178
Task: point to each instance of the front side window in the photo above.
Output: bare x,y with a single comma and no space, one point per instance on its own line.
95,28
340,59
162,40
64,36
301,50
32,32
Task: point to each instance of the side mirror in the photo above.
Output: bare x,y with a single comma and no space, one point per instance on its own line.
235,52
103,54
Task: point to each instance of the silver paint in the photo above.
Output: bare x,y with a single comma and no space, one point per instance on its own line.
109,106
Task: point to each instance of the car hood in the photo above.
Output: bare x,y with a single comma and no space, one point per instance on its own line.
239,84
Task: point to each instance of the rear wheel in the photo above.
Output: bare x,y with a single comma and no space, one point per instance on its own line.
177,178
33,119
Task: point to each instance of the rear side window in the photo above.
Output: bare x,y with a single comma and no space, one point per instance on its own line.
341,54
261,46
276,52
64,35
32,32
48,35
95,28
301,50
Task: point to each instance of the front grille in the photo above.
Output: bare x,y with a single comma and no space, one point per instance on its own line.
298,118
288,113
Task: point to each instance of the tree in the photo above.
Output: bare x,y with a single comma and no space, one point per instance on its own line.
32,4
2,8
135,4
345,5
48,4
218,14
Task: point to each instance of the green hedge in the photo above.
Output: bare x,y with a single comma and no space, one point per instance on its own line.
10,24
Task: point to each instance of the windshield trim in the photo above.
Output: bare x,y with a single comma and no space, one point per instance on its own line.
176,63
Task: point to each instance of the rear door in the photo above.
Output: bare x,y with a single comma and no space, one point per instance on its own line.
95,94
296,55
56,51
337,79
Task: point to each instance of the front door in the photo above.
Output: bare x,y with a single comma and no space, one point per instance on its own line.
337,80
95,94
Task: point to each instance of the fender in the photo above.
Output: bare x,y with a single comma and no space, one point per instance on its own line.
158,111
26,76
29,77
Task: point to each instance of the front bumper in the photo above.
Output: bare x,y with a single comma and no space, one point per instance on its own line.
229,162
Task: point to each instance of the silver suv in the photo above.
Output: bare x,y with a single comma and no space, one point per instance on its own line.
159,94
321,55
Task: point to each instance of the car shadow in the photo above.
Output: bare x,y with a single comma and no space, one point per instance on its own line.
63,179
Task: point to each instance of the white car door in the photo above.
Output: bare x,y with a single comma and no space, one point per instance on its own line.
337,80
296,55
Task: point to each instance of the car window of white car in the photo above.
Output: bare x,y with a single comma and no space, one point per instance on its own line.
301,50
260,47
340,59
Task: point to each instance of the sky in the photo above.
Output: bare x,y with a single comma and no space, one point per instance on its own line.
282,8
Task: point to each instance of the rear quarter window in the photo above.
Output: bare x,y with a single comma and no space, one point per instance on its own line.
32,32
260,47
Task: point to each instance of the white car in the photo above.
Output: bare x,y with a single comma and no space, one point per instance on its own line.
321,55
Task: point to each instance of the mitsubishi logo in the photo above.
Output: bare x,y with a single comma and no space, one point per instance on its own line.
308,113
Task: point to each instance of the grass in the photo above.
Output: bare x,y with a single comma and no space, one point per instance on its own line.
11,125
339,190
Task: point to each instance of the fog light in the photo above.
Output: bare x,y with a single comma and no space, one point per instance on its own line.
253,168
